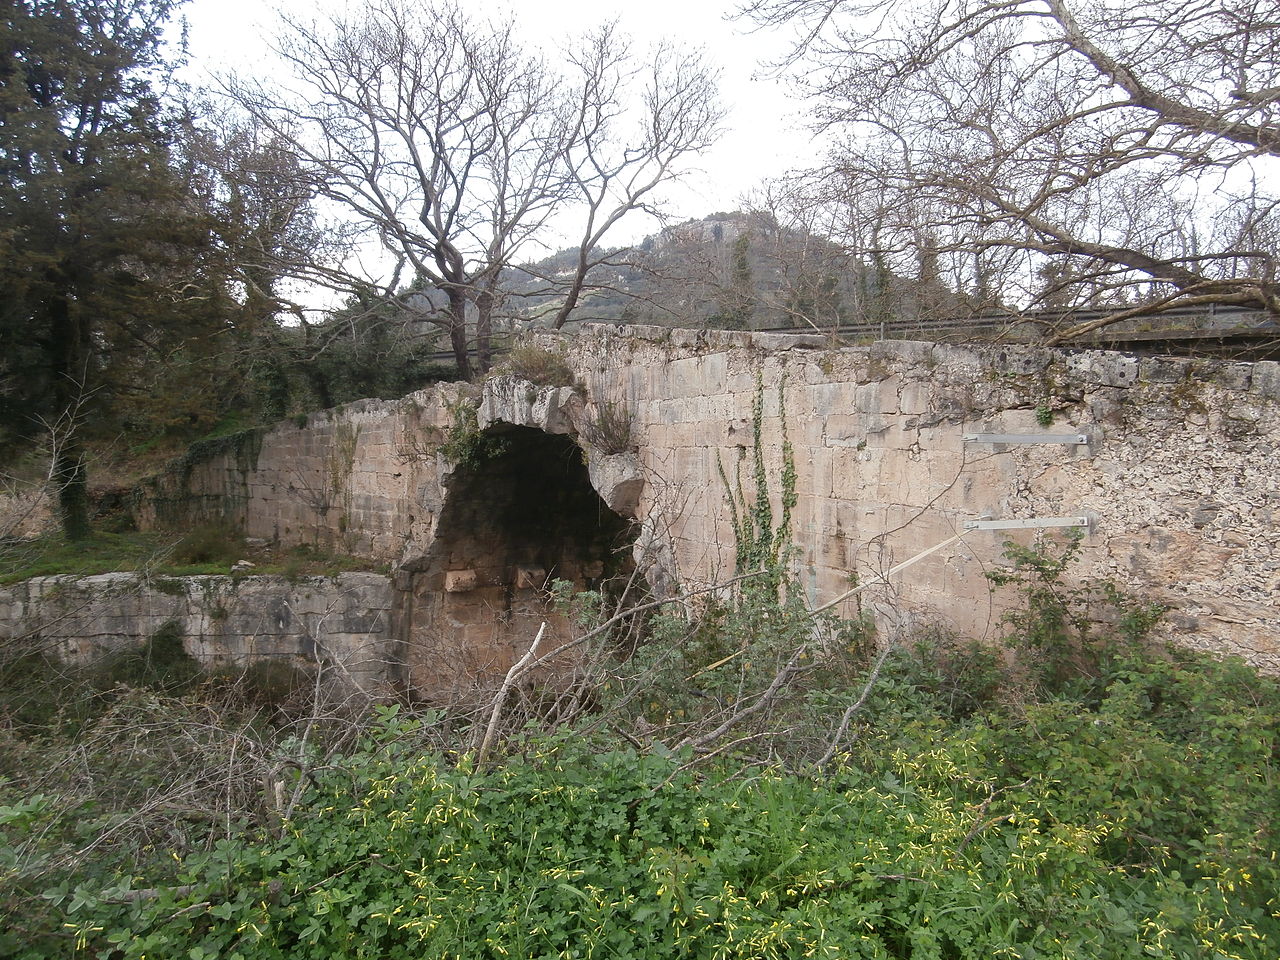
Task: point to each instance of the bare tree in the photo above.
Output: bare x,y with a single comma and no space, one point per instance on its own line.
448,146
439,140
1084,153
809,280
619,153
26,496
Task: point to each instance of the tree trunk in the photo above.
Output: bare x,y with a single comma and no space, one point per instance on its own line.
458,331
484,330
575,288
73,492
70,368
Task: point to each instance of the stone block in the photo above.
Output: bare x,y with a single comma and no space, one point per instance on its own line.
741,383
1164,369
460,581
1103,367
777,342
822,400
531,578
727,339
1019,360
913,398
516,401
619,480
1234,376
1266,379
894,352
876,398
713,371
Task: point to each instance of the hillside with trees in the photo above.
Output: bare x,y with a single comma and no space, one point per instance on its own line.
741,270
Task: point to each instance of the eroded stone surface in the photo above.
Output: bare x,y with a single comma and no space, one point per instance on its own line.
517,402
1179,473
619,479
342,623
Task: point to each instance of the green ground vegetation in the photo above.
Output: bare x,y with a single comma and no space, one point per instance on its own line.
210,549
749,781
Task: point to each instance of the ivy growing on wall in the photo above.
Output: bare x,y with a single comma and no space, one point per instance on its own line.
759,543
464,442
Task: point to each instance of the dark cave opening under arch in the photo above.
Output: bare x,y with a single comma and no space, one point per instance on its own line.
517,516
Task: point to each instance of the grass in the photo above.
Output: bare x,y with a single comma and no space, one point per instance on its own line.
203,551
101,553
1141,824
1128,809
538,365
611,429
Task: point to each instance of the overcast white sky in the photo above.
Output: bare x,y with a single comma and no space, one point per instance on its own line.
762,139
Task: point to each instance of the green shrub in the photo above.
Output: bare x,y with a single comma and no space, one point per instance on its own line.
960,677
276,691
1131,816
693,675
1067,637
538,365
581,848
206,544
160,664
41,695
609,429
464,442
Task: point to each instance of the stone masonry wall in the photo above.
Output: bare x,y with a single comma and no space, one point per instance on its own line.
369,478
1178,477
376,479
343,622
345,479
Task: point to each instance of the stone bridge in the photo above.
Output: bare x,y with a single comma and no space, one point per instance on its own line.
477,497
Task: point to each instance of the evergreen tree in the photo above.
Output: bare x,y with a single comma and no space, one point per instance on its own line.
96,240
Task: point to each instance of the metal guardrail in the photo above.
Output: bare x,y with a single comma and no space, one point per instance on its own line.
1185,325
1237,332
1210,321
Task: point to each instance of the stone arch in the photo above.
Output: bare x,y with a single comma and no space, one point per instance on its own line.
517,515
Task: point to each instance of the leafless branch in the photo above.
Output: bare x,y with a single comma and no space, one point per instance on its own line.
1040,153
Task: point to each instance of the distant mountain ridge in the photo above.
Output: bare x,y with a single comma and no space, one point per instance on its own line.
735,270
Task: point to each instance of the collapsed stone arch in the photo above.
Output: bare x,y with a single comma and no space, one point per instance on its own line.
517,516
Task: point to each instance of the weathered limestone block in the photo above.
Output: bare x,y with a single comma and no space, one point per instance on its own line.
1266,379
654,553
773,342
520,403
619,479
530,578
460,581
1104,367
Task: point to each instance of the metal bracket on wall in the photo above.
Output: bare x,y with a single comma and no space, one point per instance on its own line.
1071,439
1030,523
